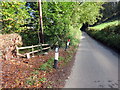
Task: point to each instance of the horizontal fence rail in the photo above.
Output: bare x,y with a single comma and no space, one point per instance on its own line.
47,46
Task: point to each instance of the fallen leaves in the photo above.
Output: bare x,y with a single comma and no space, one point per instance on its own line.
22,73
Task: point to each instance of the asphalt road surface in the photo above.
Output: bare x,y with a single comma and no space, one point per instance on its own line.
96,66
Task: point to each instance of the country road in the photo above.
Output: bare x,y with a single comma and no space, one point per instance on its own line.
95,66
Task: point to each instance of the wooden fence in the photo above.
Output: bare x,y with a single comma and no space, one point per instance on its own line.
32,48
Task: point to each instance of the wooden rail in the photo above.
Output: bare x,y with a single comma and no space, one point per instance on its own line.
33,51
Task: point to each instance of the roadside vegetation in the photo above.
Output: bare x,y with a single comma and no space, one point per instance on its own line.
61,21
108,33
38,71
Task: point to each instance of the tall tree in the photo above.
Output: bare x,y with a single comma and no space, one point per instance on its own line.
62,20
111,10
14,15
41,35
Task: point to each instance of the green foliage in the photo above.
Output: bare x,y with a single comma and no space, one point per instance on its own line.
61,58
104,25
111,10
43,67
74,35
61,20
31,80
42,79
14,15
16,18
35,72
109,35
47,65
90,12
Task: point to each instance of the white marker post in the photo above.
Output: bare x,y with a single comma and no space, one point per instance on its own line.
56,57
67,45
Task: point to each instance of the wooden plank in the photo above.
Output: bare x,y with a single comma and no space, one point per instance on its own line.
38,50
28,47
31,46
21,55
45,44
46,48
34,51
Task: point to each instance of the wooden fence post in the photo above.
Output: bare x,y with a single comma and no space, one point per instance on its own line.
32,51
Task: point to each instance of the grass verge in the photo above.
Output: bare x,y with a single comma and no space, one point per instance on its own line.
107,33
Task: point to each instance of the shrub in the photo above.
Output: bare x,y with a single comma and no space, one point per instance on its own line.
109,35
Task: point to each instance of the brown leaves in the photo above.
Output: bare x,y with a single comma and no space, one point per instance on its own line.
18,73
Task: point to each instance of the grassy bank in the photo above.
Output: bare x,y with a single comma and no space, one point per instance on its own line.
108,33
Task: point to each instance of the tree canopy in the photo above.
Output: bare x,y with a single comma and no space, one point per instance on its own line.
61,20
14,15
